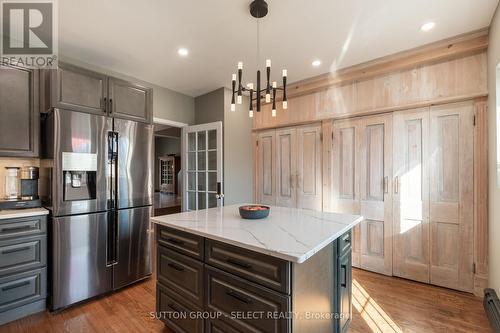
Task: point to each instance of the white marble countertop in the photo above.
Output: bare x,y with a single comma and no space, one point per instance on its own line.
16,213
288,233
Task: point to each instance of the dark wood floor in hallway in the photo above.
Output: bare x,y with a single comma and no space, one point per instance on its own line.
381,304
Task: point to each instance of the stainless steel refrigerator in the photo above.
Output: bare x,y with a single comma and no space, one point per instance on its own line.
99,191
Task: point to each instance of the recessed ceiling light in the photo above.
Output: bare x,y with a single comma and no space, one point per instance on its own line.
427,26
316,63
183,52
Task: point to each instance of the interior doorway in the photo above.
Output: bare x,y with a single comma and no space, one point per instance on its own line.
167,167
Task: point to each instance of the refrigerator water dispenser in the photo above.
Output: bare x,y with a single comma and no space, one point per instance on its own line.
79,176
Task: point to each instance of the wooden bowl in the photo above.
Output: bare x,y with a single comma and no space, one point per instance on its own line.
254,212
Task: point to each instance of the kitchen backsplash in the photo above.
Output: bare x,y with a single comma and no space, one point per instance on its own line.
14,162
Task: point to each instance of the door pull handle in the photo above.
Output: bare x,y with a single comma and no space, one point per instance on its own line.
396,185
386,184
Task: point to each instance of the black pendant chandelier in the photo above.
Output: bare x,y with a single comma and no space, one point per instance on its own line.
258,9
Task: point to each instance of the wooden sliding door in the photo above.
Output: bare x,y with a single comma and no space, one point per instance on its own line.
345,181
266,168
361,172
375,167
451,195
309,168
411,195
286,166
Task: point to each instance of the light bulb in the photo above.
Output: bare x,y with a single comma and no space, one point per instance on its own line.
240,65
234,77
268,63
233,107
275,84
285,105
250,114
285,72
250,86
239,99
273,112
268,98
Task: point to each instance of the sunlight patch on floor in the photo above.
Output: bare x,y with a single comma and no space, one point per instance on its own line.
374,316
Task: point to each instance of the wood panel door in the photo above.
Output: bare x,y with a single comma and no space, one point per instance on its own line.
411,195
451,195
266,168
129,100
309,167
78,89
345,182
286,168
375,167
19,112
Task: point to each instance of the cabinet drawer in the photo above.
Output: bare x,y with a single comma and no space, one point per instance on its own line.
344,243
22,254
218,326
176,313
188,244
228,294
24,226
182,274
22,288
265,270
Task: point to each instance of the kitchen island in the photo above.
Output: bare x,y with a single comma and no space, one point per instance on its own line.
289,272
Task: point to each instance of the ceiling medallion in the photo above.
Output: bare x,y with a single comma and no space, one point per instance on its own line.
258,9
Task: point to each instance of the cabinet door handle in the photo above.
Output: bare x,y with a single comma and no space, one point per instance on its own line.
239,297
176,267
175,241
396,185
386,184
105,105
15,286
14,229
175,307
19,249
344,268
239,263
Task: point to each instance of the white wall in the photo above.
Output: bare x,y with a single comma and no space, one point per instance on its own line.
494,191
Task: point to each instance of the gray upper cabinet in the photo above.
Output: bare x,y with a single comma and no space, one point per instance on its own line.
78,89
19,112
129,100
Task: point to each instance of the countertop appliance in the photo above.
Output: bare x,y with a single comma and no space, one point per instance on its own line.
100,197
21,192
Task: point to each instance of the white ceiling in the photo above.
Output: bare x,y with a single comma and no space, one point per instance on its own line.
140,38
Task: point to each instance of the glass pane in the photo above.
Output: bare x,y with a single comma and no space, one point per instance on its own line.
192,200
202,200
202,140
191,161
212,139
212,200
212,181
192,181
212,160
191,141
202,185
202,162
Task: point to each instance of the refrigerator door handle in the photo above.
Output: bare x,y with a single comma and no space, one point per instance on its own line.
112,240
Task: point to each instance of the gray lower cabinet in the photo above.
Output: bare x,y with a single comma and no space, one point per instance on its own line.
78,89
209,286
23,271
19,112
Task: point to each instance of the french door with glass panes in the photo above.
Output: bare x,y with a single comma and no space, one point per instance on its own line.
202,166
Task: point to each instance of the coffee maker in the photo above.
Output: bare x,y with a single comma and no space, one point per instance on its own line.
25,195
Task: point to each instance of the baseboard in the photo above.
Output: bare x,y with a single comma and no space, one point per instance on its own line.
491,305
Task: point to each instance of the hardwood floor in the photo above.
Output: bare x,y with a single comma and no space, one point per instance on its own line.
381,304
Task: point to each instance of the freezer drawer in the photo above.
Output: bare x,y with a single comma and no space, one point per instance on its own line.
79,258
134,246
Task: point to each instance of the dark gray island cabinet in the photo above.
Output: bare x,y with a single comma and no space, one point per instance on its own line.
290,272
